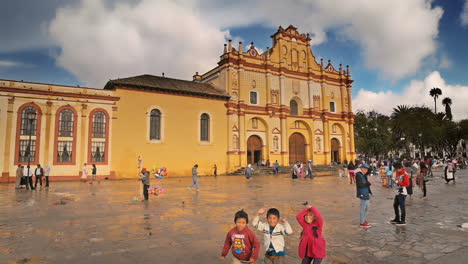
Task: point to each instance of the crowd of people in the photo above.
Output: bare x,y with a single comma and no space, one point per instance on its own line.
399,174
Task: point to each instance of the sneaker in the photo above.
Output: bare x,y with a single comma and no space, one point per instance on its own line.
198,190
401,223
394,221
190,188
365,224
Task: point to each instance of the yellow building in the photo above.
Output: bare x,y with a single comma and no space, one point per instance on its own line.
279,105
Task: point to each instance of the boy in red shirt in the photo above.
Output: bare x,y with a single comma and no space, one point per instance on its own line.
402,181
245,245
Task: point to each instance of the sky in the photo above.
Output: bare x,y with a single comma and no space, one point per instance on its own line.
397,50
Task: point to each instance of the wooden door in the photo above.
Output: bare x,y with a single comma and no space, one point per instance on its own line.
254,149
335,150
297,148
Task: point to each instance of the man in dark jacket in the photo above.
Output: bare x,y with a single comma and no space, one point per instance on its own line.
363,193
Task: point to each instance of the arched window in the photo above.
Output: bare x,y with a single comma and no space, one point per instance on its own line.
205,127
318,143
28,135
294,107
99,125
155,124
275,143
66,123
99,122
65,137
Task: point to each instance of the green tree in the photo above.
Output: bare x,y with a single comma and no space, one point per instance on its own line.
435,92
447,102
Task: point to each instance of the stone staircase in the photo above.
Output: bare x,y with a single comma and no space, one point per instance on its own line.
262,170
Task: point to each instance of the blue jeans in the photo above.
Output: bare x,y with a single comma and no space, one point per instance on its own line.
390,182
364,206
195,182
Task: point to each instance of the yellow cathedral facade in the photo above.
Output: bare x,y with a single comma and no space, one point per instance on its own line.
278,105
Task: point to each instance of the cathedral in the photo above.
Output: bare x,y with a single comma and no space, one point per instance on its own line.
280,105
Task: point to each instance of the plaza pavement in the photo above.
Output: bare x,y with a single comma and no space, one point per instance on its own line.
74,222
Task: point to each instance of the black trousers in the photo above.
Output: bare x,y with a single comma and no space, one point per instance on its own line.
424,187
145,191
47,181
38,178
30,181
399,201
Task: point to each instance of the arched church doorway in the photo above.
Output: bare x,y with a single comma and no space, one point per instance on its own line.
297,148
254,149
335,150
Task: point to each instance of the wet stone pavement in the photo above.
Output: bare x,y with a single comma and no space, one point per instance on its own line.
74,222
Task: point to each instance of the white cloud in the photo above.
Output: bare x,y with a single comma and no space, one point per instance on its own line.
464,14
416,93
395,35
180,37
100,42
10,64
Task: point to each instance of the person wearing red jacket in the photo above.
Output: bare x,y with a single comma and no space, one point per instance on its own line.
402,181
242,241
313,245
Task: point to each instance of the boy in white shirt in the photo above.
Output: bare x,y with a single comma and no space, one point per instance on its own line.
274,233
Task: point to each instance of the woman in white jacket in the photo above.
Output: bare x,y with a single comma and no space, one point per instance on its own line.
274,233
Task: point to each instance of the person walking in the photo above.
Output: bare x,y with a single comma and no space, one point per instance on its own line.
450,172
145,180
423,178
302,170
94,172
409,171
352,176
296,170
47,174
215,170
309,169
249,171
389,173
363,193
84,173
19,175
194,178
276,167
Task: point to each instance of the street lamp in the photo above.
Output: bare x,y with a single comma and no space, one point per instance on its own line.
31,115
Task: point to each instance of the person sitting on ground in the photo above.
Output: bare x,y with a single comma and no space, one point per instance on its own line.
274,233
242,240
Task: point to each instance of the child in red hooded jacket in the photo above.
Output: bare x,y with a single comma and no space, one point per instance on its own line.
313,245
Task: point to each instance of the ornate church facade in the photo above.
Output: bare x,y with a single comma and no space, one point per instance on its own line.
278,105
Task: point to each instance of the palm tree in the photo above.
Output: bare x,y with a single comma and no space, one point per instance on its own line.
435,92
447,102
